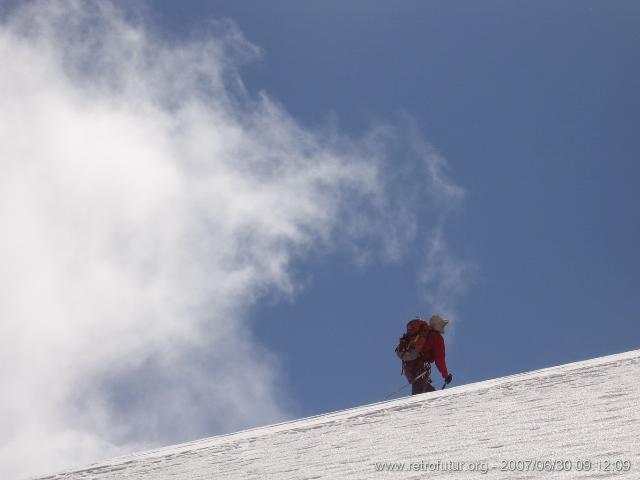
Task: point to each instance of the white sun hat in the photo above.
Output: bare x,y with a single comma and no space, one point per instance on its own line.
437,323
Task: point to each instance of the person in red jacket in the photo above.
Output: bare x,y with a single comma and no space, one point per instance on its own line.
424,345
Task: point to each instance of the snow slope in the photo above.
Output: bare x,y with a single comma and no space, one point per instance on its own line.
583,417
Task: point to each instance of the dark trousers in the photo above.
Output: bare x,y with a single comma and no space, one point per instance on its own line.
413,370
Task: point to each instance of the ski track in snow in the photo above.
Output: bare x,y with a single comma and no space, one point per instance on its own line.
580,411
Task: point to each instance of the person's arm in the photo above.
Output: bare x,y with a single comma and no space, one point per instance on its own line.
439,356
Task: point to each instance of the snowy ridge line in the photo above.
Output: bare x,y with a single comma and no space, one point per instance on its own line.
306,422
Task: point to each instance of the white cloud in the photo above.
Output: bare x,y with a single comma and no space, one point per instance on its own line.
146,202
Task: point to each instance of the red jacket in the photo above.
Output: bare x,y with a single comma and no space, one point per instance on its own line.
432,347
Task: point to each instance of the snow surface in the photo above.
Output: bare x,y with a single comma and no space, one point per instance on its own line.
585,414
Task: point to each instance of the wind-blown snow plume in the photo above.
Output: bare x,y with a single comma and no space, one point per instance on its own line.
445,276
146,202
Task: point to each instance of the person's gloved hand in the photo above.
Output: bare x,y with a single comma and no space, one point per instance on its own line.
448,379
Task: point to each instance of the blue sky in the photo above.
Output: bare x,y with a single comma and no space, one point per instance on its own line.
228,211
535,107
